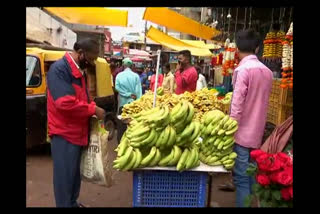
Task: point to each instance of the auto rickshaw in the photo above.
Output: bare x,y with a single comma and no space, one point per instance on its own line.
38,61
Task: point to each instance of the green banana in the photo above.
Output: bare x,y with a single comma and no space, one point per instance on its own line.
232,125
172,137
140,138
121,161
140,132
218,117
228,146
165,137
209,116
159,141
214,130
229,166
188,130
182,111
196,160
131,162
202,157
145,161
226,125
224,120
221,132
213,159
162,117
191,158
190,113
225,152
176,156
149,138
224,158
151,118
165,160
217,141
206,160
138,159
153,142
233,155
212,140
156,159
123,146
182,161
209,129
220,145
217,163
228,162
175,109
196,131
228,141
230,132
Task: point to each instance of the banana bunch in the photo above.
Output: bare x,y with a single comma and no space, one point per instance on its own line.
128,158
181,115
190,135
226,159
227,99
218,140
189,159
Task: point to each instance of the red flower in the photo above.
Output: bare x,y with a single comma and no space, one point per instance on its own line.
284,159
256,153
267,162
263,179
283,177
286,193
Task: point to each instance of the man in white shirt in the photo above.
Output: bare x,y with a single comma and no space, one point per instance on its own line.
201,83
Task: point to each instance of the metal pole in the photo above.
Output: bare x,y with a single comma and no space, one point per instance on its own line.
157,73
229,23
145,35
250,17
245,18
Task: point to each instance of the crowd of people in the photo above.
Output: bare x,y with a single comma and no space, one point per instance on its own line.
186,77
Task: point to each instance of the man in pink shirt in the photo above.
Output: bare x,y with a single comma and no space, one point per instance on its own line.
252,83
186,75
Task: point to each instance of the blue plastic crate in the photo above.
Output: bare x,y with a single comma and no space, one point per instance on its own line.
157,188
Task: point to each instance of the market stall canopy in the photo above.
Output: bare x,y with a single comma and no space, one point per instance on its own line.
201,44
175,21
91,15
137,52
175,44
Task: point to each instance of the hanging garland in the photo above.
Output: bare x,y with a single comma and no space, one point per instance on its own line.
287,60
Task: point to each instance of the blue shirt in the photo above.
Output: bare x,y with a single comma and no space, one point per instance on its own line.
127,83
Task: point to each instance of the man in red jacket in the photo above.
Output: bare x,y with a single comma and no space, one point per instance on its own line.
186,75
69,110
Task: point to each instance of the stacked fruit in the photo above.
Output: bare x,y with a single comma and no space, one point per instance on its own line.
160,91
216,148
287,60
227,99
157,135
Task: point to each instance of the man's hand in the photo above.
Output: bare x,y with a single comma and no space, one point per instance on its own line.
133,96
100,113
178,67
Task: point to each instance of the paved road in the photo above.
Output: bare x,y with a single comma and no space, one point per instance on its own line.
40,188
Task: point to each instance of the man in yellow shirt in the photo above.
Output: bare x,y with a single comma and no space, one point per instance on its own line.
168,80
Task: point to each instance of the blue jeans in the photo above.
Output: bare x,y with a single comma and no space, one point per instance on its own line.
242,181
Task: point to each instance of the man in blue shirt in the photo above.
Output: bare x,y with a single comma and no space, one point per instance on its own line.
128,84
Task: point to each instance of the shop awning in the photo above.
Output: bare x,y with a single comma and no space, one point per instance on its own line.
175,44
175,21
201,44
91,15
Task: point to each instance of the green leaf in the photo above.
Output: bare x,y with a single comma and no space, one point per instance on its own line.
276,195
248,201
263,203
266,194
255,188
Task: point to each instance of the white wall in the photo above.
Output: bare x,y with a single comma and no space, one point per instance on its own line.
38,25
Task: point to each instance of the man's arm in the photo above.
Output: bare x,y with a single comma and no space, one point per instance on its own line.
121,90
63,94
239,95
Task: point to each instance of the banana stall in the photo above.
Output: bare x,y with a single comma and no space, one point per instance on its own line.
171,144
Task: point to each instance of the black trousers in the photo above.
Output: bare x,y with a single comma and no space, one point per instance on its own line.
66,171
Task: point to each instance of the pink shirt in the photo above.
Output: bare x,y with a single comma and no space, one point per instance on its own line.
252,83
187,80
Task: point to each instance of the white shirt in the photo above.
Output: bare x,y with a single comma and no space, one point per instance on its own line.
201,83
81,71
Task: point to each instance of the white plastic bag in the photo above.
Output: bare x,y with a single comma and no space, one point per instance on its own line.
96,165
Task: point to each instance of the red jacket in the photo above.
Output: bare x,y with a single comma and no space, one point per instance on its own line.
68,104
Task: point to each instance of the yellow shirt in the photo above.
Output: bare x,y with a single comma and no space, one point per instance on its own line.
168,82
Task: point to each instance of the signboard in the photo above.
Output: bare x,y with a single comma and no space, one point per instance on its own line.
173,58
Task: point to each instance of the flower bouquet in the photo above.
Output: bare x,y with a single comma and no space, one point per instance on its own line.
274,177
